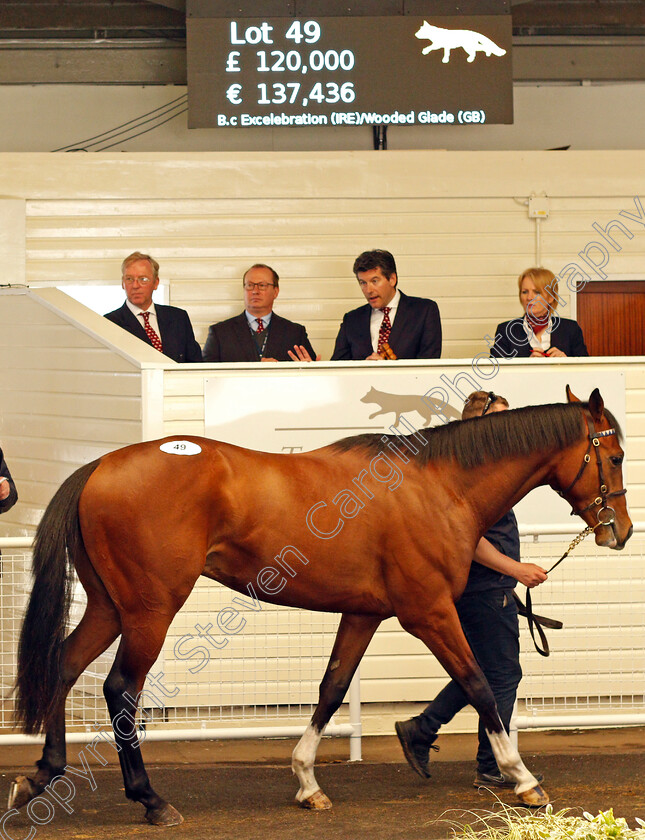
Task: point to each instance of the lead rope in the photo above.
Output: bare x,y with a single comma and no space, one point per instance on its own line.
537,622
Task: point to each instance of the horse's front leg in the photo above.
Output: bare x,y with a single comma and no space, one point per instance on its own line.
438,626
353,636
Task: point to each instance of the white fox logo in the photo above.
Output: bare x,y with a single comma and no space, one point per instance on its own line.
451,39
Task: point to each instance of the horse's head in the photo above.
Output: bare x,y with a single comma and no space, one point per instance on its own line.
590,476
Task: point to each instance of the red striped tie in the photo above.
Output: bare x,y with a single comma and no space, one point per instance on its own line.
152,335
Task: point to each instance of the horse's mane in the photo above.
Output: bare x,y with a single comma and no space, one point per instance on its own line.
476,441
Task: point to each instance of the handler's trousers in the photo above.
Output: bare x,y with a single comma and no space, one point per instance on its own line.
489,620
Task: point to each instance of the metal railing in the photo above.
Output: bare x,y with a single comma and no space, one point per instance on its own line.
595,675
263,683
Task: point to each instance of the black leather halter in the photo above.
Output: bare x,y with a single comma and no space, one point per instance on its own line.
536,622
604,494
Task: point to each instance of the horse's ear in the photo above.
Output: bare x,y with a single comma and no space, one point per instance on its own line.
596,405
571,397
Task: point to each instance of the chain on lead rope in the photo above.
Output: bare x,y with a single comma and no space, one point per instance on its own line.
537,622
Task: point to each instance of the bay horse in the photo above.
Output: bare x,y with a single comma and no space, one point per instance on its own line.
372,526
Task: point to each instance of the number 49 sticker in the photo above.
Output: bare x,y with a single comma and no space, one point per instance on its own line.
180,447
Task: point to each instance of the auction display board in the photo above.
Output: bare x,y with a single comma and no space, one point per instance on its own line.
416,69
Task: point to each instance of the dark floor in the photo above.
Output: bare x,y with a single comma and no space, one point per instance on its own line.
244,790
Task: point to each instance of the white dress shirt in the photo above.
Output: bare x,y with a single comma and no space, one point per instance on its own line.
138,314
541,342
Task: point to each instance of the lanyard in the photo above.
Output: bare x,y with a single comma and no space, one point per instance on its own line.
260,347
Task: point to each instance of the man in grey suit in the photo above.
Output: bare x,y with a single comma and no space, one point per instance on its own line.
166,328
258,334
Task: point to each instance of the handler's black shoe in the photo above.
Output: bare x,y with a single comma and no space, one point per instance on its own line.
416,747
498,780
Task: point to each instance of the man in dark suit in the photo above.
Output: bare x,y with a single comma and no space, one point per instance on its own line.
166,328
411,326
258,334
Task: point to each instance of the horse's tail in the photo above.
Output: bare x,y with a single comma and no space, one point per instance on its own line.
58,538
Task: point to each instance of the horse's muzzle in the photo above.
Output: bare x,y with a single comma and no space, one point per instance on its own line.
607,536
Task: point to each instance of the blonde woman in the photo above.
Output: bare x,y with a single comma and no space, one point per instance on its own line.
541,332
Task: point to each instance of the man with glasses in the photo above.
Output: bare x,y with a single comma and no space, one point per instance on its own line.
166,328
258,334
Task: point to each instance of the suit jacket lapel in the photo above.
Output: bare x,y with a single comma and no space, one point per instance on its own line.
135,325
365,323
248,347
274,347
166,333
401,319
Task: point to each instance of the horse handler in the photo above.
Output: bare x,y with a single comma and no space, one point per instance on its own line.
489,619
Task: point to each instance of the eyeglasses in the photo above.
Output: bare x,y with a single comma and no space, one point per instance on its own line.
261,287
490,399
142,281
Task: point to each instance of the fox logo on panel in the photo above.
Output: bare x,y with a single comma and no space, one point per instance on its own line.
451,39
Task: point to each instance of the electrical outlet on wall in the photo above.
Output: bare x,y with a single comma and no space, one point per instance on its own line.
538,207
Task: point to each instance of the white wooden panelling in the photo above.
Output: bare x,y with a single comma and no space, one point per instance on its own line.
12,240
457,223
67,398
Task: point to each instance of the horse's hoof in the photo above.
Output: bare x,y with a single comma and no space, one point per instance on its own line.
316,802
22,790
164,816
534,797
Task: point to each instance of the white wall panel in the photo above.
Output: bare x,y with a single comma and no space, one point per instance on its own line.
457,223
66,399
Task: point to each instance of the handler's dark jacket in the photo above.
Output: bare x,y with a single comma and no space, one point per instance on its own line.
505,536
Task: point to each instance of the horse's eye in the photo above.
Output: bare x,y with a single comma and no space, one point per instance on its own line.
616,460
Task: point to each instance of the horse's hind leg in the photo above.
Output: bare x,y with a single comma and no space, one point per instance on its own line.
140,645
353,637
96,631
440,629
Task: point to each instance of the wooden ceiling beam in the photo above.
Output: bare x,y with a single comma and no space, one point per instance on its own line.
31,18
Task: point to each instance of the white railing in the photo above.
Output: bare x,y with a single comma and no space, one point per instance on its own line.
265,681
262,683
595,675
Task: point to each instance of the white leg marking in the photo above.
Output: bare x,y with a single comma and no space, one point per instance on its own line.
302,762
509,761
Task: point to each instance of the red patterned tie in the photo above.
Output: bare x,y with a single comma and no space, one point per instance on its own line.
385,329
152,335
260,328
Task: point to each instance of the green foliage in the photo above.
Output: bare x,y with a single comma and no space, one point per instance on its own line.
518,824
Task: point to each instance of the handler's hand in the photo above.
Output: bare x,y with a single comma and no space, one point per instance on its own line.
267,359
555,351
301,354
530,575
5,488
374,357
